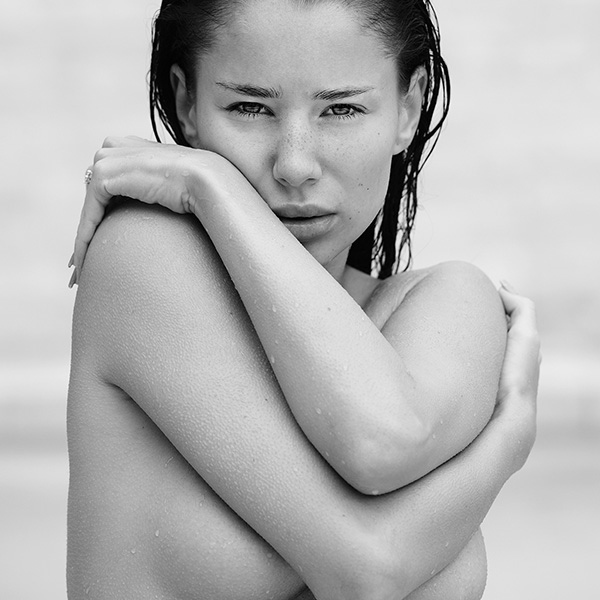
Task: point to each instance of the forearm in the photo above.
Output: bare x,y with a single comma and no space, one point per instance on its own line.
223,410
462,579
383,407
343,381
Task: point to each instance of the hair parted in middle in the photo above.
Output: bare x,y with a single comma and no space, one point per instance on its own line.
186,29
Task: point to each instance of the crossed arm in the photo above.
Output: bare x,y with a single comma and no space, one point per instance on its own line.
243,441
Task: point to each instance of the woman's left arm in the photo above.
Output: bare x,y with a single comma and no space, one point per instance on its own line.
382,407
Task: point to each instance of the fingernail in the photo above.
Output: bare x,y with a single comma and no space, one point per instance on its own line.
73,279
71,260
507,286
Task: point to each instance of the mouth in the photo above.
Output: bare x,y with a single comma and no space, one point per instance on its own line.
305,228
306,221
299,213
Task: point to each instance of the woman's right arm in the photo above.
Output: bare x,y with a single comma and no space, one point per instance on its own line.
170,331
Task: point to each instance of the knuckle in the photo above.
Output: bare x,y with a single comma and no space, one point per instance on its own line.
99,171
110,142
99,156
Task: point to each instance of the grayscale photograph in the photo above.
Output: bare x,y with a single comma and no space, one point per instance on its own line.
299,300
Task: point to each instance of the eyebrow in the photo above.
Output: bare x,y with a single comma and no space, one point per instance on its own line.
342,93
250,90
261,92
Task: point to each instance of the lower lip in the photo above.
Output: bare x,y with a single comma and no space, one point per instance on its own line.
306,229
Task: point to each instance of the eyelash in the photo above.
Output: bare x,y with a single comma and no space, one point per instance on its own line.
355,111
238,109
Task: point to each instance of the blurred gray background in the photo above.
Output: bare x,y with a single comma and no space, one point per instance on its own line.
512,187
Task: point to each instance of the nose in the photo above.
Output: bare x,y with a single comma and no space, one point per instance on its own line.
296,162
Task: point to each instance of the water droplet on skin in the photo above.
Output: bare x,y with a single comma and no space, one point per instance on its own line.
157,533
318,411
375,492
167,175
133,551
274,308
447,544
270,555
272,359
185,173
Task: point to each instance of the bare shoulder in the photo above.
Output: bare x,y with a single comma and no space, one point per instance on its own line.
140,238
452,284
145,271
448,327
452,307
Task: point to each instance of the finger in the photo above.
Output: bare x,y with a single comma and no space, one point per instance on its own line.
520,309
92,213
523,357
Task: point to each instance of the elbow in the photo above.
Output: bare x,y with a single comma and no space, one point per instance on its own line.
385,459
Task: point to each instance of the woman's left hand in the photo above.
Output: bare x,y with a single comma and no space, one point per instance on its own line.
153,173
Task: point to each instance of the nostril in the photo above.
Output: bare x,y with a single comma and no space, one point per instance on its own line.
296,168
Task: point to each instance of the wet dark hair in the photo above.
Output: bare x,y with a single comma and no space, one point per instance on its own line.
185,29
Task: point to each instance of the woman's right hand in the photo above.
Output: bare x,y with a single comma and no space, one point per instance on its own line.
176,177
517,392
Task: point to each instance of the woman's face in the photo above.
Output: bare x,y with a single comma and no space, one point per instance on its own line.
304,102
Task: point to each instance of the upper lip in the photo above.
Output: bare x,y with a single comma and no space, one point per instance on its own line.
297,211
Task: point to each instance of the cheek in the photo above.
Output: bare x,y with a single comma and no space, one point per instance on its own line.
371,171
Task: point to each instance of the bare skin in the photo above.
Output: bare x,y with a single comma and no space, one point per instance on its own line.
249,416
128,482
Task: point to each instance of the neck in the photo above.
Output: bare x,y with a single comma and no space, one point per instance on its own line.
337,267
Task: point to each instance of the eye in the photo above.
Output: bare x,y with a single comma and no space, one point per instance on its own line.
249,110
343,111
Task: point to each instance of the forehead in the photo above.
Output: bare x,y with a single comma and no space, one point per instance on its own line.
315,43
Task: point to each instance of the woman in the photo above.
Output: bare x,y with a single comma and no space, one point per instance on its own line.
249,414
